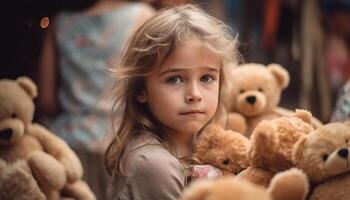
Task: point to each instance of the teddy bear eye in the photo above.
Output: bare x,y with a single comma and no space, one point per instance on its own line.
324,157
13,115
241,91
260,89
226,161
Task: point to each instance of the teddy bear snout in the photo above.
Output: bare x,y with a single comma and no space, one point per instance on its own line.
251,99
6,134
343,153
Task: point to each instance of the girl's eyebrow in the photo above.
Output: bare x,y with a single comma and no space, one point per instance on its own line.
177,69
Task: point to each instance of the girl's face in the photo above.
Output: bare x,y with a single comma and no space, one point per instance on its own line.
183,93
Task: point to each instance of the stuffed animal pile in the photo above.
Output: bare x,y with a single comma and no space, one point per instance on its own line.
284,150
55,167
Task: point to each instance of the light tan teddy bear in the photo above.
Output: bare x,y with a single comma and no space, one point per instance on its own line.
224,149
53,164
324,156
272,144
255,92
289,185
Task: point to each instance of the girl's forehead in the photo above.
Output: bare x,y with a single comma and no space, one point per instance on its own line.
186,47
195,47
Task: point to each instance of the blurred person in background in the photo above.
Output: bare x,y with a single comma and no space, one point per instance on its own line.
78,50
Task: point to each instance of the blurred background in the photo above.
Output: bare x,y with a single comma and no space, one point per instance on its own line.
311,39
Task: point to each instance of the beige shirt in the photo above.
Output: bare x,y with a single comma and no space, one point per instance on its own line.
152,173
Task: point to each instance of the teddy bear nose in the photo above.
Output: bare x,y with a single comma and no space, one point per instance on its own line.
6,134
251,99
343,153
226,162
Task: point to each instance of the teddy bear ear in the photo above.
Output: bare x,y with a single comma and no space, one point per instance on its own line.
304,115
212,128
281,75
28,85
298,149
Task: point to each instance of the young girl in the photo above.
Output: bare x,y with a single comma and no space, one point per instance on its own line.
171,80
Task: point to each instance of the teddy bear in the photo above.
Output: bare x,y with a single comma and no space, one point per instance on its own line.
224,149
272,143
52,163
289,185
324,156
16,182
255,92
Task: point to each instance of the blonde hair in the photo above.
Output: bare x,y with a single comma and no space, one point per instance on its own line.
147,49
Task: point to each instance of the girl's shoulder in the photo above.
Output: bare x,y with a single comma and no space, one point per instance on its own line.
147,166
147,149
148,155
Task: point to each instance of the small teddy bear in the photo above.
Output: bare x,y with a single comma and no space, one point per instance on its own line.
289,185
324,156
272,143
53,164
223,149
255,92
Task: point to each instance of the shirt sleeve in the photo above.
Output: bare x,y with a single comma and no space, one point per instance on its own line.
155,175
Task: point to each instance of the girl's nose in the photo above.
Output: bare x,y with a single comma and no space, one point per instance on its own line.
193,94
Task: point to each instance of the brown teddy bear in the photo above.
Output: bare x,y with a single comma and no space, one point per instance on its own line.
324,156
255,92
53,164
17,182
224,149
289,185
272,143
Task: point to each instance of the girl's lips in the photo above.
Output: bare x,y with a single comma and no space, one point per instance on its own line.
192,112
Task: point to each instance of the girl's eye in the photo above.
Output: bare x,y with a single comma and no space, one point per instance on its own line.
207,79
174,80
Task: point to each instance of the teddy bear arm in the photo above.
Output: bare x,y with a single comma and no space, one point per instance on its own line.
59,149
289,185
78,190
49,173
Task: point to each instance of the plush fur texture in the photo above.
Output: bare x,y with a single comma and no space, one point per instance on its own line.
272,143
289,185
52,163
17,182
226,150
324,156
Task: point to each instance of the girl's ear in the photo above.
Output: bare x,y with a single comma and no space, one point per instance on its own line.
142,98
